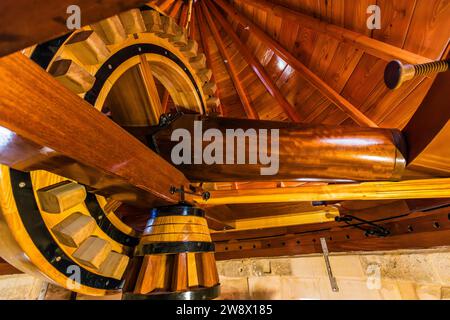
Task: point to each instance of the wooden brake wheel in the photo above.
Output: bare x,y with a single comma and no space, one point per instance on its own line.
53,227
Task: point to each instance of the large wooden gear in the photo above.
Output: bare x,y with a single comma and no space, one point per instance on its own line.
50,224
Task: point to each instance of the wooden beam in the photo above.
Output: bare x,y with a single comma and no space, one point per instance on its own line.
45,126
256,66
207,51
417,231
249,110
310,76
27,22
411,189
175,8
372,46
150,87
428,131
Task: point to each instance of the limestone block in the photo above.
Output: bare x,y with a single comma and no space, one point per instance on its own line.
265,288
234,288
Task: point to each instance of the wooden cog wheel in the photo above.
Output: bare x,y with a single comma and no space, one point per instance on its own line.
51,226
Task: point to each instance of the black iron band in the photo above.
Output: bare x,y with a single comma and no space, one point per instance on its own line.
198,294
177,210
35,226
174,247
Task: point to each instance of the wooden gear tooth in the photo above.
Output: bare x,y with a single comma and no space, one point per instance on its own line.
110,30
114,265
198,62
213,102
179,40
204,74
210,88
132,21
152,21
88,47
72,76
169,27
74,229
190,50
93,252
61,196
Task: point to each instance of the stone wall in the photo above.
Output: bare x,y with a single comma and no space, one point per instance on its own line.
21,287
395,275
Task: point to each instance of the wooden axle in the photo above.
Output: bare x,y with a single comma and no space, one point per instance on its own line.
307,152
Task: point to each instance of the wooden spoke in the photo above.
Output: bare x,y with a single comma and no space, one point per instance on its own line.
151,88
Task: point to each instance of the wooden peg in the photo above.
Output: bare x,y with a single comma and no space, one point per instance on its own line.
213,102
110,30
204,74
190,49
74,229
152,21
132,21
72,76
88,47
114,266
169,27
210,88
61,196
93,252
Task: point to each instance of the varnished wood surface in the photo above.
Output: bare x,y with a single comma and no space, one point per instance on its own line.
305,152
80,142
26,22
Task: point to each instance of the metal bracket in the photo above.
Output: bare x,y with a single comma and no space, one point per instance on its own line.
333,282
375,229
205,195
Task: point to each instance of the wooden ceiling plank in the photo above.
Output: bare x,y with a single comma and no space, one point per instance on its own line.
311,77
375,47
258,69
48,127
249,110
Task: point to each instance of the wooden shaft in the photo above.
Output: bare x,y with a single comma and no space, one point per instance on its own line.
304,71
45,126
255,65
308,152
375,47
249,110
411,189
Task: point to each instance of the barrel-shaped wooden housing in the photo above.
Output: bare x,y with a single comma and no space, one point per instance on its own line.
177,257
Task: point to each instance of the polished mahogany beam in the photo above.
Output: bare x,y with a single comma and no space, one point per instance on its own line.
372,46
27,22
309,152
303,70
249,110
256,66
45,126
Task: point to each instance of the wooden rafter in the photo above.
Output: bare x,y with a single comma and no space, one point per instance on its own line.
265,79
184,16
208,55
372,46
304,71
175,9
249,110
